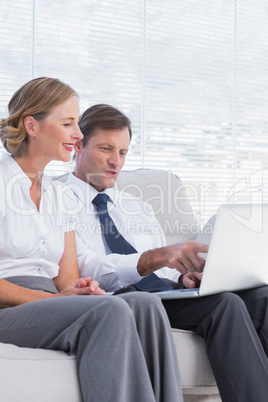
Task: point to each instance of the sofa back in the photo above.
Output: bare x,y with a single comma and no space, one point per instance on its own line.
166,193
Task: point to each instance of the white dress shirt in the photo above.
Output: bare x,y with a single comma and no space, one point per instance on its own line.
136,222
31,241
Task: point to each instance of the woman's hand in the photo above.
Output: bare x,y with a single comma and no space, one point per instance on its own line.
83,286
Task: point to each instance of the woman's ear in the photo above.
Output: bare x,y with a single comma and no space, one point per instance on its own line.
78,146
30,125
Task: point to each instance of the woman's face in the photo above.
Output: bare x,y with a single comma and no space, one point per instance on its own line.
57,133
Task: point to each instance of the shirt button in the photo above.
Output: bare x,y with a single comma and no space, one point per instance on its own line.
43,243
39,269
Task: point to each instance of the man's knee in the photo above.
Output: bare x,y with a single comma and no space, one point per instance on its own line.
230,305
230,299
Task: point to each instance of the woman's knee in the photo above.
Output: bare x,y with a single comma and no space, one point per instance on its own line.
115,310
142,300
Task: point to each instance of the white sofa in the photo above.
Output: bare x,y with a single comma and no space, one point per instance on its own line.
38,375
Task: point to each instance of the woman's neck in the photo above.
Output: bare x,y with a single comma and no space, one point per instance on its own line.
34,170
32,167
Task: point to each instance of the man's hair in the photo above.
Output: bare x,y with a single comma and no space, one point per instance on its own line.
104,117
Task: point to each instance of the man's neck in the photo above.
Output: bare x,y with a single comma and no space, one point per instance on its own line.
78,177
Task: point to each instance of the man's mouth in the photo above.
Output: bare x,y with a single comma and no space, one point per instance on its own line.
111,173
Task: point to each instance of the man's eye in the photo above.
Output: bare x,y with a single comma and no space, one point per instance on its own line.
67,124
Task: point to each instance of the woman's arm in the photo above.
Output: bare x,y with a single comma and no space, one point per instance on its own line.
12,295
68,272
68,282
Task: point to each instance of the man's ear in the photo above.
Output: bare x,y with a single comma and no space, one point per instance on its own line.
78,146
30,125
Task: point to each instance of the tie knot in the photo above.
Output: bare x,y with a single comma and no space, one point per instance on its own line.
100,199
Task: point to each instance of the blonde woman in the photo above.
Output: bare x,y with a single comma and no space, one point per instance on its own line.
123,345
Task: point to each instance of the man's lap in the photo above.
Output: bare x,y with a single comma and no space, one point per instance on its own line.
189,313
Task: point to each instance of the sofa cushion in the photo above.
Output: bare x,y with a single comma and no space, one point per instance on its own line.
193,360
37,375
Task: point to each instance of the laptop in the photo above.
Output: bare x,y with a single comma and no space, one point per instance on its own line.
238,253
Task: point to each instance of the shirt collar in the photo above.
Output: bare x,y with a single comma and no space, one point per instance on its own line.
86,193
16,170
22,177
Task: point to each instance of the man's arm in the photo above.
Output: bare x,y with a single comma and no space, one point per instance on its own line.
114,271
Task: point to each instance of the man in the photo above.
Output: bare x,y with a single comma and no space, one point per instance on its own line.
228,321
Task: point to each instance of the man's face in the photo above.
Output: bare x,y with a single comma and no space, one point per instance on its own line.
100,161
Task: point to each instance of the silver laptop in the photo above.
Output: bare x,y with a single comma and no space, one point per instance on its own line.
238,252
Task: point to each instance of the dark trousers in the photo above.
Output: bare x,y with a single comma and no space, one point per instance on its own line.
235,329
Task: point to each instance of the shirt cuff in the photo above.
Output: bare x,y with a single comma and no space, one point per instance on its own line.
127,269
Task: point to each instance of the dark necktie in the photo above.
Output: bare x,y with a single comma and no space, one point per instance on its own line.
119,245
115,241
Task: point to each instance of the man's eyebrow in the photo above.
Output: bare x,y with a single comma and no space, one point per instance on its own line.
105,143
109,145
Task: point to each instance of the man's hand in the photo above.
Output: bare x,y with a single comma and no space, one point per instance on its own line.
191,280
185,257
83,286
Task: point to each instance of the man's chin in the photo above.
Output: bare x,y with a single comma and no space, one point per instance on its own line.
110,182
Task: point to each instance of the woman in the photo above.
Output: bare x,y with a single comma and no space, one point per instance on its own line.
38,265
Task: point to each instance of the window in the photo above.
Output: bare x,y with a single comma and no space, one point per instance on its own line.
191,75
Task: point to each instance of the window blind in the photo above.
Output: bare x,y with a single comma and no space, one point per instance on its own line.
192,77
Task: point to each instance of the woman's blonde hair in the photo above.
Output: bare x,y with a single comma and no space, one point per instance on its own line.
35,98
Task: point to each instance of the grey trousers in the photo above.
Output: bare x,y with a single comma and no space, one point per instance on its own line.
235,328
124,345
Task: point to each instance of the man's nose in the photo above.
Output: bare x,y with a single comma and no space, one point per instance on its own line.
114,159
